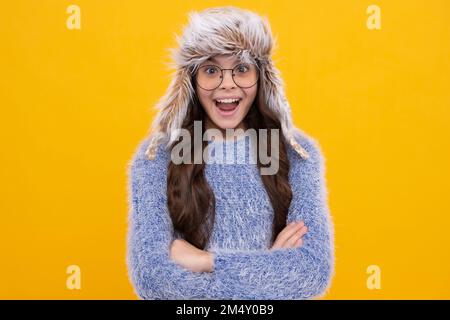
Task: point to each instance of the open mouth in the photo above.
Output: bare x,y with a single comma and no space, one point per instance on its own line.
227,109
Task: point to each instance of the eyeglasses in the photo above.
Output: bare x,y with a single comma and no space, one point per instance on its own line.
245,75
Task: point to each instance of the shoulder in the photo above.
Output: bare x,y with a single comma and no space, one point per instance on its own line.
311,168
140,165
310,144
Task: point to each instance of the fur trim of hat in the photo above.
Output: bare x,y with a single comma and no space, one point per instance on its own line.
215,31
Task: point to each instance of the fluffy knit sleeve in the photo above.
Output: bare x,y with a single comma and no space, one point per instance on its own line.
150,233
289,273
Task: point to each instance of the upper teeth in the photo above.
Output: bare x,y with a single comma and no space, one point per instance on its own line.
228,100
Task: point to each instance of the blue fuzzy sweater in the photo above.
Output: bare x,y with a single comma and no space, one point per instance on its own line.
244,267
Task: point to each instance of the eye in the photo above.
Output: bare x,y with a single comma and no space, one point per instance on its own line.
211,70
242,68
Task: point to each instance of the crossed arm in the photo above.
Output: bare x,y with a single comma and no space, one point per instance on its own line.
197,260
298,266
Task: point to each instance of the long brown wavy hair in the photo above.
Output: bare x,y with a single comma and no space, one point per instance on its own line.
191,201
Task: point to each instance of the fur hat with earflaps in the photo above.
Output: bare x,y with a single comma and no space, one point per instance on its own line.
214,31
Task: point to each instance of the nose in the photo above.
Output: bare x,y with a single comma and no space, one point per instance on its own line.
227,80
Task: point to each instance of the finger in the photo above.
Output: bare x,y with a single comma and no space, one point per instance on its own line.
287,232
303,231
292,240
299,242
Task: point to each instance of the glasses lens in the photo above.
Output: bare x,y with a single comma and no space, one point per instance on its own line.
245,75
208,77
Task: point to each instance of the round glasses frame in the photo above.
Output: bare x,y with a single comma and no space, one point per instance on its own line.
232,76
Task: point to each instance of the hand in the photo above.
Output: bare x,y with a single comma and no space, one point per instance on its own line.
290,236
191,257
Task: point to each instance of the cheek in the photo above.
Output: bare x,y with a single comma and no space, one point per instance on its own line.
205,99
250,100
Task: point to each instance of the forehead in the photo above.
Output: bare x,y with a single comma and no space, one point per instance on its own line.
223,60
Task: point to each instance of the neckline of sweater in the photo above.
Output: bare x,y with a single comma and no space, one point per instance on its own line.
234,140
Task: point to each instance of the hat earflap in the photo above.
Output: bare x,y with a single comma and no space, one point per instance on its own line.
172,109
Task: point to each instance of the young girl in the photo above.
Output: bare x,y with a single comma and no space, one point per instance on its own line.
218,216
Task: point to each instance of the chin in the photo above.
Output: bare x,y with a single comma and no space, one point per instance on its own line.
226,124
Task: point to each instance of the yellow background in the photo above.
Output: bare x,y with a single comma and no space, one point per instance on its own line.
75,103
